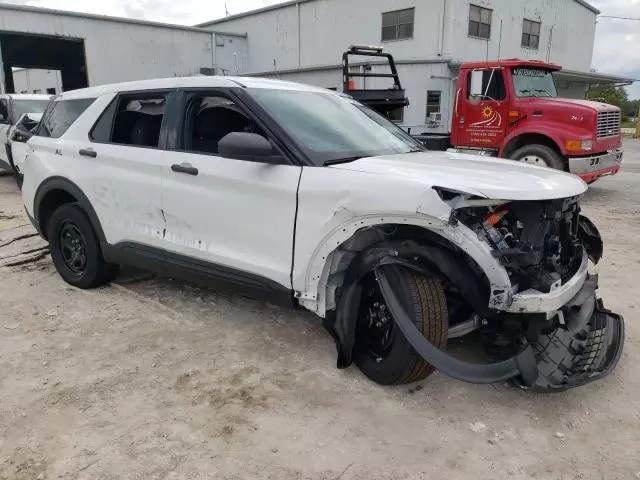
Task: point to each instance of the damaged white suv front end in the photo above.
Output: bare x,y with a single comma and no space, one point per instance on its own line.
511,251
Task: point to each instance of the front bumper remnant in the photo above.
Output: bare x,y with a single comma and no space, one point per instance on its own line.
586,347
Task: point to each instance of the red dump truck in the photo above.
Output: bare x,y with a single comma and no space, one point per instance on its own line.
511,109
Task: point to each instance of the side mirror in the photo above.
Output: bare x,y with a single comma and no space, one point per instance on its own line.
20,135
248,146
476,83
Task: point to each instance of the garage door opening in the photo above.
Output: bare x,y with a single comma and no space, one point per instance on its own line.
43,53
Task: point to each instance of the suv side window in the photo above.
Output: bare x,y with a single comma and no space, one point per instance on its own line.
60,115
492,84
208,118
133,120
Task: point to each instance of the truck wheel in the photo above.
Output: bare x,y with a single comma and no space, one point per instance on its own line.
381,351
75,249
540,155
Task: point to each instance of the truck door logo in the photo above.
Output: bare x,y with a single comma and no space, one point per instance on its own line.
487,130
492,119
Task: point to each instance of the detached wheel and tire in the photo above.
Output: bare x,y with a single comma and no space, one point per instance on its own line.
381,351
75,249
540,155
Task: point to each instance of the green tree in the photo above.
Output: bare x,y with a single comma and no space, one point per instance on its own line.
610,94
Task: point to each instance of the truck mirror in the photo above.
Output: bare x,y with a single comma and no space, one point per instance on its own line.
476,83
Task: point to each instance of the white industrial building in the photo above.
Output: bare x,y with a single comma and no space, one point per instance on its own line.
91,50
303,40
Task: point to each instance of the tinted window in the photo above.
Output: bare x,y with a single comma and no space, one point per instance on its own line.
137,122
60,116
209,118
101,131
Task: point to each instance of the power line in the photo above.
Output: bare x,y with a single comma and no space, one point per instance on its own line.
620,18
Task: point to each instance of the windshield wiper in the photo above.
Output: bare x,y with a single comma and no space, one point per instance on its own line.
538,91
338,161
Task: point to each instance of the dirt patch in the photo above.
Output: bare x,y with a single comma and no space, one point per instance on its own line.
153,378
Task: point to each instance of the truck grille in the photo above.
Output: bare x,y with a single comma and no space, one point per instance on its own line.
608,124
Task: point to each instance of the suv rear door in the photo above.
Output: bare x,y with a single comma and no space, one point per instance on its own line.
124,153
236,216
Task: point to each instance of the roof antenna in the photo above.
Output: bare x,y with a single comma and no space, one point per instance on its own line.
226,10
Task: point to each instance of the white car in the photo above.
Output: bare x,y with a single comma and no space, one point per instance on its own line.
310,199
13,107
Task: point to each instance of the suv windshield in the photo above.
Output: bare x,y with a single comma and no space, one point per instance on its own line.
21,107
534,82
334,129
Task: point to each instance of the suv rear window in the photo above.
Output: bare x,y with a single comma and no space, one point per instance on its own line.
60,115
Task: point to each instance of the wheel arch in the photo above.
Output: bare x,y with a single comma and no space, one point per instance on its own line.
334,293
530,138
57,191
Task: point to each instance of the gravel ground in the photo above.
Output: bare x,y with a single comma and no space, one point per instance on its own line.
151,378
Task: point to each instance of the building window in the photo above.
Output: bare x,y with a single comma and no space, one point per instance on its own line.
480,21
433,107
397,25
530,34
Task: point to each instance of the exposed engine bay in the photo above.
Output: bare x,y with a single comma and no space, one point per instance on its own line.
544,247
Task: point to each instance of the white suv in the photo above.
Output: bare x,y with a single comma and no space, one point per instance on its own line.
308,198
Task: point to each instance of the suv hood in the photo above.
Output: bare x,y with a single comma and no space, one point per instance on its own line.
481,176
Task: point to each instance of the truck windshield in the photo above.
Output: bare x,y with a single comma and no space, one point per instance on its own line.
28,106
533,82
334,129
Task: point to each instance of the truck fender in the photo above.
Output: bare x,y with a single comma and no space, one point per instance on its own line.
513,137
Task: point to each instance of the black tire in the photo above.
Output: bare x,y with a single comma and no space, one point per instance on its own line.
550,157
85,267
398,363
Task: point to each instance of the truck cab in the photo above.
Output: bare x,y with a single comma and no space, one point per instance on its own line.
511,108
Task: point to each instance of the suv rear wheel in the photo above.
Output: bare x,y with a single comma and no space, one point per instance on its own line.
381,351
75,249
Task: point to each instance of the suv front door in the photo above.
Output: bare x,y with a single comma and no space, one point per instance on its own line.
224,217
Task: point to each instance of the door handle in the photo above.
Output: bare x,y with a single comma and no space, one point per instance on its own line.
184,168
88,152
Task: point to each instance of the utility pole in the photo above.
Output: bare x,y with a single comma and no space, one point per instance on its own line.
637,135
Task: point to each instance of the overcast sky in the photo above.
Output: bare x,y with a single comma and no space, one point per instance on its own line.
617,48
